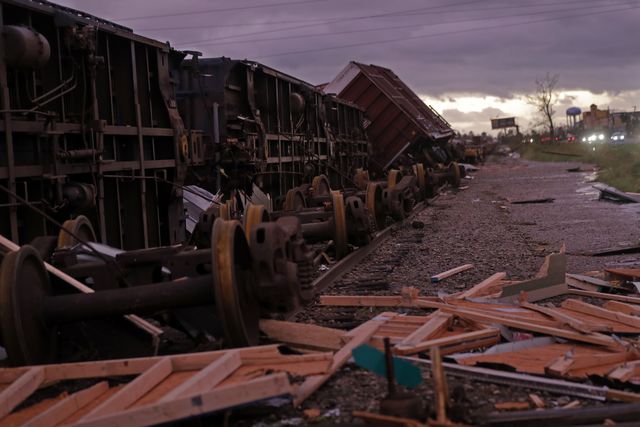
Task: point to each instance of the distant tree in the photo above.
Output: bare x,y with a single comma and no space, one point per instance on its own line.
544,98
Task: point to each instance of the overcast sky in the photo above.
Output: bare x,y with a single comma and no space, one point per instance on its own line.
470,59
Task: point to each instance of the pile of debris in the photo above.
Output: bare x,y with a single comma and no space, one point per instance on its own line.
562,347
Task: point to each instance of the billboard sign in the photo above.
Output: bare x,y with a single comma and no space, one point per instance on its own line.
505,122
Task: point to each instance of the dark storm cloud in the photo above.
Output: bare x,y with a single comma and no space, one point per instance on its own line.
597,51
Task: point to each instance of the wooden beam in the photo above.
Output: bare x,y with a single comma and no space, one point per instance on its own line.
63,409
448,341
630,309
570,362
207,378
625,372
363,334
486,284
477,316
133,391
602,295
132,366
593,310
439,277
214,400
139,322
565,319
438,322
20,389
440,386
303,334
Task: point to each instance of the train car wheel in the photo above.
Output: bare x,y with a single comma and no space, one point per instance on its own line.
81,227
340,238
236,304
24,284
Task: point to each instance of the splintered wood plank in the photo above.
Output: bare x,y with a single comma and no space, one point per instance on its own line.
583,307
598,339
487,284
64,408
300,369
570,362
20,389
171,382
467,338
564,319
630,309
134,390
439,277
360,335
302,334
435,324
91,405
21,416
211,401
602,295
440,385
626,371
207,378
133,366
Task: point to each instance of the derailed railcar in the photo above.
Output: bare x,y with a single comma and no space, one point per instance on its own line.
260,126
90,126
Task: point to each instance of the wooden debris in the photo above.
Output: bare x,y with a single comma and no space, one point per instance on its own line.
586,283
440,386
475,339
512,406
593,310
613,194
439,277
630,309
536,400
602,295
165,388
572,404
303,335
480,289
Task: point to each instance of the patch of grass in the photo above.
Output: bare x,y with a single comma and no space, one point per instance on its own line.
619,164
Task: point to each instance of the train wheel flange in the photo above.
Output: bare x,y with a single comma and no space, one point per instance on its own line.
254,215
340,235
422,179
24,284
294,200
375,205
455,176
320,186
79,226
394,178
236,305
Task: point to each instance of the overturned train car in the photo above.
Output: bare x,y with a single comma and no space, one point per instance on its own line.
101,122
267,128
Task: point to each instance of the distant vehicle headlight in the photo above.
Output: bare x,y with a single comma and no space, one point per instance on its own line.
601,137
621,136
584,139
615,138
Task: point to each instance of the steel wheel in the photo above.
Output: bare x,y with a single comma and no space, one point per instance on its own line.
454,170
294,200
320,186
374,204
255,214
394,178
361,178
24,284
81,227
340,236
418,169
236,305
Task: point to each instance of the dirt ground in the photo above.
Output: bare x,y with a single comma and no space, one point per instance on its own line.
477,225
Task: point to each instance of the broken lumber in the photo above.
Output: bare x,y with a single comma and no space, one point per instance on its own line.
481,287
533,201
593,310
484,337
630,309
303,335
440,386
437,322
441,276
602,295
359,335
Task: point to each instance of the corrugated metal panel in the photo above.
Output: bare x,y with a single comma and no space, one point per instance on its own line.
398,115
